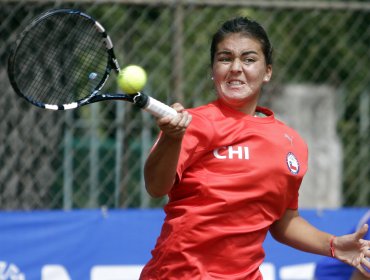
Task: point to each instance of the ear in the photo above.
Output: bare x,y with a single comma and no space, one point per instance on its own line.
268,73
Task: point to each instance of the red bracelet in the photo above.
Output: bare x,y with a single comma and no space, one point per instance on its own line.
332,249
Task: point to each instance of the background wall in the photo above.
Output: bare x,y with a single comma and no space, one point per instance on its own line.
115,244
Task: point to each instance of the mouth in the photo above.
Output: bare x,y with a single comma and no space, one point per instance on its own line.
235,83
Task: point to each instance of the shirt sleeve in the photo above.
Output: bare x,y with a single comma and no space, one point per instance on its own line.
294,197
302,155
197,138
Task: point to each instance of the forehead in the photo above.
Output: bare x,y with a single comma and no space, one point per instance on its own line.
239,42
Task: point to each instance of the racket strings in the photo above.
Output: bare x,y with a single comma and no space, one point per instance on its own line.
61,60
43,66
28,60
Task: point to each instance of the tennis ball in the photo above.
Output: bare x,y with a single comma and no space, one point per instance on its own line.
131,79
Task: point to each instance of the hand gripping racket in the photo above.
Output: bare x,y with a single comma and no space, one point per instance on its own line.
62,60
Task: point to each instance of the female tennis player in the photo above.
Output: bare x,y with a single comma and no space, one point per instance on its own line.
232,172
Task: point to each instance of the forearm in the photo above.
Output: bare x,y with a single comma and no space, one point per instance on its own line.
160,167
296,232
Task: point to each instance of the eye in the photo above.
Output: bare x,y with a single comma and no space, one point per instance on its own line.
249,60
224,59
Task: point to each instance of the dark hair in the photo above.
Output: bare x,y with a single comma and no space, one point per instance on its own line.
247,27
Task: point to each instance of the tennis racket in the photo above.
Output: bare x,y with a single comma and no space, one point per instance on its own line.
62,60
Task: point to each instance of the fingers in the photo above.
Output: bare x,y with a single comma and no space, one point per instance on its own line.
166,120
365,262
175,126
178,107
360,233
367,249
364,267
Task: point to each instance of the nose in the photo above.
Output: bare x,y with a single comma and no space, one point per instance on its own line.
236,66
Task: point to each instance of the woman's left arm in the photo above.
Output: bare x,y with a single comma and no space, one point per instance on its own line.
296,232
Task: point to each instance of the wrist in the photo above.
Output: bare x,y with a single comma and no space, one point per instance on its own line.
332,247
172,138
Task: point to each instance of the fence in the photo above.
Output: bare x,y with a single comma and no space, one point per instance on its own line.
94,156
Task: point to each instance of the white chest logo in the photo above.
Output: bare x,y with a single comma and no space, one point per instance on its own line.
292,163
232,152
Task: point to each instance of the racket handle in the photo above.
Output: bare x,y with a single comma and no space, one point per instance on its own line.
155,107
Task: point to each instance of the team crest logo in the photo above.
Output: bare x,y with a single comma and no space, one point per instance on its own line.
292,163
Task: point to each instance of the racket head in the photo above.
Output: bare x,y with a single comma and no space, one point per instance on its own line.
61,60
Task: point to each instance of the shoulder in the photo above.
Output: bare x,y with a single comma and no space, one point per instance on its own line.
204,116
201,129
208,111
282,127
293,141
290,131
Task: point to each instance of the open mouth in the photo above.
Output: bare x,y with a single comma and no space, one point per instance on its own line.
235,83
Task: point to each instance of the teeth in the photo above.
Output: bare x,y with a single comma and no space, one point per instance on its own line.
236,83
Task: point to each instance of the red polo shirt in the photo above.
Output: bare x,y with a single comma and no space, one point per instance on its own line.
237,174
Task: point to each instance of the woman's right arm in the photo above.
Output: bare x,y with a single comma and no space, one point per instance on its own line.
161,165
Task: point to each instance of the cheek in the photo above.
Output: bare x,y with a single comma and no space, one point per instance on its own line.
257,75
217,77
215,72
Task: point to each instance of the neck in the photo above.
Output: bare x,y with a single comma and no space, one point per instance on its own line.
259,114
248,109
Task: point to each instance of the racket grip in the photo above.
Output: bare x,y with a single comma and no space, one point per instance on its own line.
155,107
159,109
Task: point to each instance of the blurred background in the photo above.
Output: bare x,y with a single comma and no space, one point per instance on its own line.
93,157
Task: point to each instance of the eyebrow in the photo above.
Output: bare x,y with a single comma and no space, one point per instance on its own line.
229,52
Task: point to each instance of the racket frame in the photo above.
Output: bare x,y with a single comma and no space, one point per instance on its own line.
141,100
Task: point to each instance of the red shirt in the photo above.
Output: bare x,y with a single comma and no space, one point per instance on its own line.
237,174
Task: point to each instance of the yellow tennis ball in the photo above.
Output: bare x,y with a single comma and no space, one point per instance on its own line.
131,79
